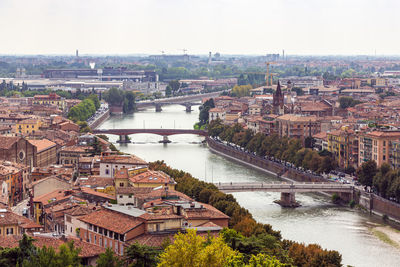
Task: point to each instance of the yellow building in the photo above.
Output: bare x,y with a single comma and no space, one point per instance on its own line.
14,224
343,144
28,126
49,100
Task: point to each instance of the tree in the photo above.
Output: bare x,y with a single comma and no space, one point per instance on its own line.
168,90
129,102
175,85
241,90
114,96
95,100
366,172
108,259
96,146
192,250
204,111
141,255
68,255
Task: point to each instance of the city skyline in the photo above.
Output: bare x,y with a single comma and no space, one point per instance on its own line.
229,27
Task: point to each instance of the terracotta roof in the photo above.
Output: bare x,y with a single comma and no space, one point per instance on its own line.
95,181
96,193
7,141
29,121
120,159
384,133
152,177
78,149
113,221
87,250
157,239
160,193
320,135
42,144
292,117
134,190
53,196
208,212
7,218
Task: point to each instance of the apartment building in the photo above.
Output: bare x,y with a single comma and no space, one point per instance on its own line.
376,145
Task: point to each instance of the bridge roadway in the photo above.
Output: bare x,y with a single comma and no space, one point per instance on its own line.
285,187
163,132
187,101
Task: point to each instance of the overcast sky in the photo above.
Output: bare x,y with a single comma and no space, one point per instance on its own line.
226,26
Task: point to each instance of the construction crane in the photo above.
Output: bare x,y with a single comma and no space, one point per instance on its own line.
268,75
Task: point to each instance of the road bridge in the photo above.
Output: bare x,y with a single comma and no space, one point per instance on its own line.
288,190
187,101
123,133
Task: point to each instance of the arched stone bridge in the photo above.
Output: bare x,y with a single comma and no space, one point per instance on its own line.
288,190
188,101
123,133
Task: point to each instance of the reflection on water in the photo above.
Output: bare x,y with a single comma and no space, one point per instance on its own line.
316,221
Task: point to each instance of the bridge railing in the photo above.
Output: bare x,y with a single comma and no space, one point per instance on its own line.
283,186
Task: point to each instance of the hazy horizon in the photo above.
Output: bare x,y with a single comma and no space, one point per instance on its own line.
235,27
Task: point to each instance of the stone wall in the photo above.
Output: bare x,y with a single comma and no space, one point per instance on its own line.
100,120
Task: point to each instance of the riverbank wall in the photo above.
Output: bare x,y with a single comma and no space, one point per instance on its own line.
102,118
378,205
371,202
262,164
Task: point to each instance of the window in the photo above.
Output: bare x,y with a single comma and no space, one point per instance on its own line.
110,234
116,247
100,230
115,236
95,240
107,171
105,242
105,232
95,229
90,227
384,143
110,243
384,157
122,249
121,184
120,196
130,196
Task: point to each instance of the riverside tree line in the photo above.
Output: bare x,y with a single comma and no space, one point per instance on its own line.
282,148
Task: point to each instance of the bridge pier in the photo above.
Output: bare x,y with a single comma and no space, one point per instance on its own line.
123,139
158,108
165,140
288,200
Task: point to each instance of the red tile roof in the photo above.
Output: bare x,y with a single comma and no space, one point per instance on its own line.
113,221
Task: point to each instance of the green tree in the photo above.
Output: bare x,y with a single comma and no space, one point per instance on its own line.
129,102
108,259
192,250
115,97
366,172
141,255
204,111
168,90
175,85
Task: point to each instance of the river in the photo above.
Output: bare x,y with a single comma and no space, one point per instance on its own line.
316,221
